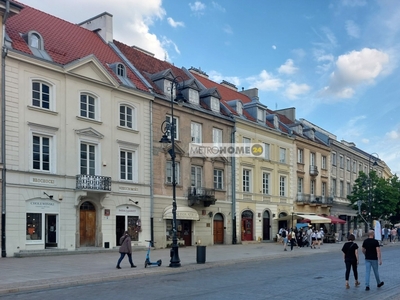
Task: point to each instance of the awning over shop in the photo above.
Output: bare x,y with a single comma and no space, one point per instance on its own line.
305,217
182,213
314,218
335,220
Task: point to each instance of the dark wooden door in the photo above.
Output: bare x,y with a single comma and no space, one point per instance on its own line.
87,228
218,231
266,229
186,232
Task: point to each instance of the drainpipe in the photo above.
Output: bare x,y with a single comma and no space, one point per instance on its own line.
3,135
233,180
151,173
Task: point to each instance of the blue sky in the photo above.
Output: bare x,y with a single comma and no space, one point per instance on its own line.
336,61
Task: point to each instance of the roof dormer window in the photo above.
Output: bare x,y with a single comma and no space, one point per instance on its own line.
121,70
260,114
214,104
36,44
239,108
194,97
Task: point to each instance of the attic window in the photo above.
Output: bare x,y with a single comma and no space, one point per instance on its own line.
260,114
36,44
121,70
239,108
214,104
194,97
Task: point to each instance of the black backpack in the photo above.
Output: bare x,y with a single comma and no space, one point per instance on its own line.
284,233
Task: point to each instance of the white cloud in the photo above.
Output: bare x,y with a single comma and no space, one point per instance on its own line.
287,68
174,23
293,90
217,6
352,29
393,134
353,3
227,29
265,81
218,77
354,69
274,47
197,7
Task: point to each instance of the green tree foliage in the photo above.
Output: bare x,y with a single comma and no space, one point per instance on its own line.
378,195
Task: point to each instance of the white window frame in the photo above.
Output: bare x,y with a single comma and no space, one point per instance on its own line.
348,164
121,70
323,189
194,96
267,153
260,114
334,158
312,159
214,102
282,185
354,166
239,108
134,165
42,95
300,184
348,188
323,162
266,178
124,116
176,132
218,179
42,153
168,172
217,136
196,176
334,182
246,181
48,132
282,155
196,132
341,188
300,156
341,161
312,187
246,140
96,158
85,113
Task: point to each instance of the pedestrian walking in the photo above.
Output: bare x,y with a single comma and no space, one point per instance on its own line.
125,249
393,233
373,257
350,256
292,239
284,234
313,239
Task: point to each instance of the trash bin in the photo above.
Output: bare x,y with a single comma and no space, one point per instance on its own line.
201,254
107,245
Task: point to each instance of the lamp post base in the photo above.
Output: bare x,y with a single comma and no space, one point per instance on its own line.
175,261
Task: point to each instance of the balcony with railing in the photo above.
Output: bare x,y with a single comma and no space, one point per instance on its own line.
93,182
313,199
313,170
201,195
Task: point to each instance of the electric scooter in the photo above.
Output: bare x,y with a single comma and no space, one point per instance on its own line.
147,261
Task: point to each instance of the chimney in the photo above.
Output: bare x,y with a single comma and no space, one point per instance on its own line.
102,24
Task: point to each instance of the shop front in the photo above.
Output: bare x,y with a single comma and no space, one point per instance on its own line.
185,218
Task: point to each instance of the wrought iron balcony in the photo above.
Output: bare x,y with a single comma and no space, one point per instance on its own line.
93,182
313,170
196,195
312,199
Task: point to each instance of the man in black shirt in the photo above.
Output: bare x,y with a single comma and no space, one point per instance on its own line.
372,252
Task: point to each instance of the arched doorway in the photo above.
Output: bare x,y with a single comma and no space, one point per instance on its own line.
87,224
266,226
218,229
247,225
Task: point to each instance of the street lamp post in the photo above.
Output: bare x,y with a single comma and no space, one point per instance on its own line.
370,187
168,129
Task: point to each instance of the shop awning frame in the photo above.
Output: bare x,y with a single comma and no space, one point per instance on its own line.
182,213
298,216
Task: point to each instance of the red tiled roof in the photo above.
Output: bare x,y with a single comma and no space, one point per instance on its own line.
64,42
147,64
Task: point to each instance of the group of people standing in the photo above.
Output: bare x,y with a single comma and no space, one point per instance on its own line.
373,258
301,237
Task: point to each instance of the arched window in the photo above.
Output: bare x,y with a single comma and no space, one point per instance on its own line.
41,95
126,116
88,106
121,70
